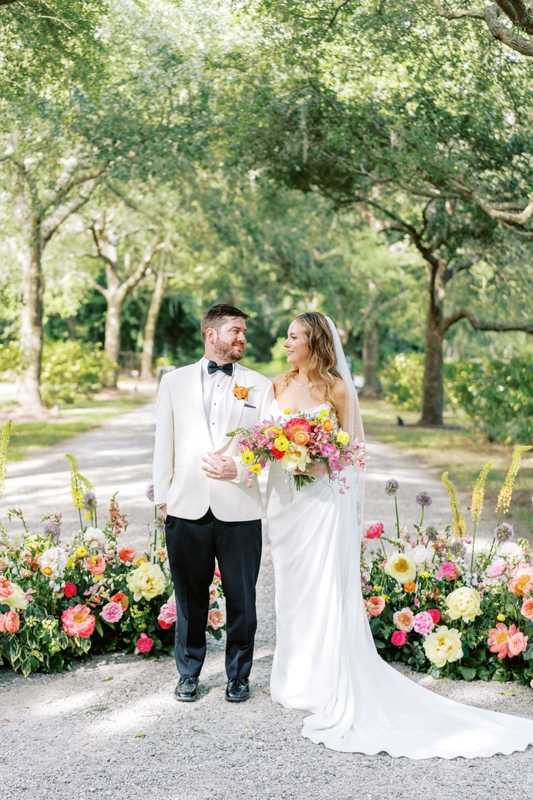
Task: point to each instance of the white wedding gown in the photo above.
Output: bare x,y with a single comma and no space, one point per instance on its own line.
325,660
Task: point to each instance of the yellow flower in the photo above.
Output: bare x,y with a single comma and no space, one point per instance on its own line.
287,411
146,581
81,552
443,645
295,458
343,437
377,588
281,443
47,571
464,603
70,563
506,492
140,561
277,431
425,574
324,412
247,457
328,424
458,521
256,469
401,567
16,600
501,617
88,515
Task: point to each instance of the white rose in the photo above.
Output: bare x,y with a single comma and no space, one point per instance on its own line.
510,550
443,645
464,603
94,537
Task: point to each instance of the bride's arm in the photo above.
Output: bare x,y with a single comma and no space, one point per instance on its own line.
340,395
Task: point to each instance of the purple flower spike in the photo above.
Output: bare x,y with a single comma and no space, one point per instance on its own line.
391,487
504,532
89,501
423,499
150,492
52,529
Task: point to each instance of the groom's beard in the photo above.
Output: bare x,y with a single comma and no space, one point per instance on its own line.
229,353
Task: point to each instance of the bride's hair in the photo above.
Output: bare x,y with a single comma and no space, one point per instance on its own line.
322,363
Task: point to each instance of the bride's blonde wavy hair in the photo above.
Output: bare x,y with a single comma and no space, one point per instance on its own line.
322,363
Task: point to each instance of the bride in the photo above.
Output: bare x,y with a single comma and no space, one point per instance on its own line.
325,660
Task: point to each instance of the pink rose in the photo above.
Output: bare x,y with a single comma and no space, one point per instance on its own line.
215,618
96,565
78,621
10,623
527,608
375,531
167,614
423,623
375,606
6,588
144,643
496,569
434,614
404,619
399,638
112,612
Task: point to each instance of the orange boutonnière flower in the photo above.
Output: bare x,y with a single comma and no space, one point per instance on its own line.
240,392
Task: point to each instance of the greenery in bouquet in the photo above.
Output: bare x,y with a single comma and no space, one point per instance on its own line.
444,603
62,602
296,442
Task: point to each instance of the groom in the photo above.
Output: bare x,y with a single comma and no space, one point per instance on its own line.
200,487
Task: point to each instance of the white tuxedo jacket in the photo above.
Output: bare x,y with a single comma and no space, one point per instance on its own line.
182,439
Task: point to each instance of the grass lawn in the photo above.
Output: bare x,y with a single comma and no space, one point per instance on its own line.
461,452
27,437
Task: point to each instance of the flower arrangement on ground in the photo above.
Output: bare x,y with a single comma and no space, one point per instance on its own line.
296,442
444,603
61,601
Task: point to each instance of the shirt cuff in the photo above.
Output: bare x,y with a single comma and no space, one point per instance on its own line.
241,470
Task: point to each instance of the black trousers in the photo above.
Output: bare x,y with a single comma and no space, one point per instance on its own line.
192,548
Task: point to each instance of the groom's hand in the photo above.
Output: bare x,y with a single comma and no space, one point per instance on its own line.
221,468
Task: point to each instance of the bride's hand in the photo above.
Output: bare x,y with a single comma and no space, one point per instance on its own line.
315,469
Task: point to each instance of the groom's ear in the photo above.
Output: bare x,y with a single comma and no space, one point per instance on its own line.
211,335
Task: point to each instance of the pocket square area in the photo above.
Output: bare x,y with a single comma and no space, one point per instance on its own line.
247,405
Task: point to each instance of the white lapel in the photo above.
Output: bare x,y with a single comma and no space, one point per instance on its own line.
240,378
195,402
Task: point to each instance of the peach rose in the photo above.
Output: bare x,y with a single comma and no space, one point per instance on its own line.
9,622
96,565
527,608
215,618
404,619
6,587
375,605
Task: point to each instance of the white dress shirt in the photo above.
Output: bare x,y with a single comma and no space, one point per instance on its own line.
217,392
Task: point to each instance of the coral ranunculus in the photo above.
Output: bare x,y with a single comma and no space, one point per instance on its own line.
399,638
96,565
144,643
121,598
527,608
78,621
126,555
295,426
5,587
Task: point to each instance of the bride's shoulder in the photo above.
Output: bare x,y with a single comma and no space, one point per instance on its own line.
278,380
339,389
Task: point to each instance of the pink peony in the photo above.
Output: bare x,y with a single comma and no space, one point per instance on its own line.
375,531
527,608
6,588
126,555
434,614
496,569
144,643
112,612
96,565
167,614
375,605
423,623
215,618
69,589
517,641
78,621
399,638
9,622
404,619
506,642
522,581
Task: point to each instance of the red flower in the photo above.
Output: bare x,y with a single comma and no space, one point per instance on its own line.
126,555
144,643
278,455
296,426
399,638
217,573
375,531
69,589
121,598
434,614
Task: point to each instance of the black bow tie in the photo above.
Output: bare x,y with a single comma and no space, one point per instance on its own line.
213,367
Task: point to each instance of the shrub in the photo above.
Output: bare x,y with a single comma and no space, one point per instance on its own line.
403,379
496,395
73,371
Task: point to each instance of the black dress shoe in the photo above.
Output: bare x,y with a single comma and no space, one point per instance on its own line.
237,690
186,690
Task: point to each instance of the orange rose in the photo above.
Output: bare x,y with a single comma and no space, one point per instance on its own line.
410,586
240,392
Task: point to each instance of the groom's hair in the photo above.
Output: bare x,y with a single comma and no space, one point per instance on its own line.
214,316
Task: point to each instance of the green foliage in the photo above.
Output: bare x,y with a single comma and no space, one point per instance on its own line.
496,395
11,358
403,379
72,371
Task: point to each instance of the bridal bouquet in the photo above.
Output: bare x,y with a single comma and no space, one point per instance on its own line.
297,442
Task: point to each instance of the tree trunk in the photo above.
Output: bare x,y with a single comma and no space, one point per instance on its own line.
112,330
372,387
151,322
433,400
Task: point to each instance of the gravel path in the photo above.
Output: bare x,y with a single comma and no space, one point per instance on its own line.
111,728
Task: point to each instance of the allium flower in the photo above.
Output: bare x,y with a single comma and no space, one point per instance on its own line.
399,638
423,623
215,618
504,532
443,645
432,533
391,487
159,524
404,619
458,549
112,612
375,605
150,492
78,621
144,643
375,531
126,555
89,501
423,499
52,529
167,614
